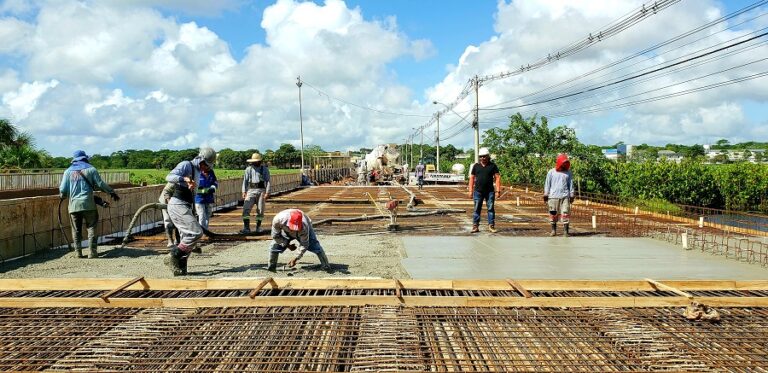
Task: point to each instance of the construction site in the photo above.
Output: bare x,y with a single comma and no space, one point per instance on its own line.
409,288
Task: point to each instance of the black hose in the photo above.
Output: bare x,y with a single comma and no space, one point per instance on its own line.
61,227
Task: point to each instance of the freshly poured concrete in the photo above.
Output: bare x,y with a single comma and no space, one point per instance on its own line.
594,258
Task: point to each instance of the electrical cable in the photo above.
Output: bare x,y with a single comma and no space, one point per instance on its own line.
318,90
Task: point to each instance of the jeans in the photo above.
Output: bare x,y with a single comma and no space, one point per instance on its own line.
204,213
314,244
490,198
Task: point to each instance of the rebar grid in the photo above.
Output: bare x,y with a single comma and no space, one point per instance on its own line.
382,338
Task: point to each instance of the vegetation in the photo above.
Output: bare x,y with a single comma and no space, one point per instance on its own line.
527,148
150,177
17,149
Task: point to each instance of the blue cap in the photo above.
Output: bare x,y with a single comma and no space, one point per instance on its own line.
79,155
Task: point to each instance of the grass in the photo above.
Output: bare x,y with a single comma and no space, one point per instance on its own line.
655,205
151,177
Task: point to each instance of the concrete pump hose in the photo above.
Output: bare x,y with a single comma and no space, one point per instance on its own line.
156,205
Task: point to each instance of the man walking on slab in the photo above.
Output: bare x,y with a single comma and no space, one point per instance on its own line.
79,182
484,185
293,224
558,193
255,191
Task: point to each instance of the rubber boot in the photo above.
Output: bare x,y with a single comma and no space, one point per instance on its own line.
169,235
80,253
246,226
273,262
173,260
183,264
554,229
92,253
258,226
565,230
324,262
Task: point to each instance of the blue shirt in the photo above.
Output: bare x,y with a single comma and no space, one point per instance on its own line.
206,187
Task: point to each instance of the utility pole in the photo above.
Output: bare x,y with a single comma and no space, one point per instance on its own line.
421,146
476,122
437,139
301,122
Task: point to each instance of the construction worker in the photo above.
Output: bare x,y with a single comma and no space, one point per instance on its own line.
255,191
186,178
293,224
204,198
419,173
484,185
79,182
170,230
558,193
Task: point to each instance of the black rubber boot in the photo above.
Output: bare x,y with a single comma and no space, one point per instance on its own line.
273,262
554,229
183,264
258,226
246,226
173,260
324,262
565,230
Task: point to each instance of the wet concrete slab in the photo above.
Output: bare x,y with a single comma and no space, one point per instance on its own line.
596,258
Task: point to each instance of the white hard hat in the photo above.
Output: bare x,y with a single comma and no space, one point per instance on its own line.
483,151
208,155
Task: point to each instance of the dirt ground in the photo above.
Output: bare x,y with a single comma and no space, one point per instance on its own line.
376,256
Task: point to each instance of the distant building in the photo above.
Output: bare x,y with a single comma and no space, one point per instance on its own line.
625,150
670,156
612,154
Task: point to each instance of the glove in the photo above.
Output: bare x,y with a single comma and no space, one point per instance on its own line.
212,189
100,202
114,196
546,199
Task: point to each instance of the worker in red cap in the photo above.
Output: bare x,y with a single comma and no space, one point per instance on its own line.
558,193
293,224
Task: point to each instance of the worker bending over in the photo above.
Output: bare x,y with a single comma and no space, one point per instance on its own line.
293,224
558,193
186,178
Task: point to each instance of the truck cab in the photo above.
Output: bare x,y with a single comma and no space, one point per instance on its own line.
430,168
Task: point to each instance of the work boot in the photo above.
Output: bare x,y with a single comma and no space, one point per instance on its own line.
273,262
246,227
492,228
324,262
173,260
80,253
258,226
183,264
92,253
565,230
475,229
554,230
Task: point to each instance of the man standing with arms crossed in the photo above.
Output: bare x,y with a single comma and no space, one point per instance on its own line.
484,185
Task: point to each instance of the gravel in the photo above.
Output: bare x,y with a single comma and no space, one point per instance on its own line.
371,256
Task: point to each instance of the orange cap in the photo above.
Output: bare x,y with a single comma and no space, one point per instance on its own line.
295,221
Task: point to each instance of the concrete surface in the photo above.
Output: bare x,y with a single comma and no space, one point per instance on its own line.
594,258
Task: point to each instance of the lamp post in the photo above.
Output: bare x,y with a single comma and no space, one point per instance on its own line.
301,122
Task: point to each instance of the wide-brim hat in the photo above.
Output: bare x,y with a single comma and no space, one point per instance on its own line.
79,155
255,157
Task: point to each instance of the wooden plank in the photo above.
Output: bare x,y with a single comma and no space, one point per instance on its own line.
416,301
105,296
261,285
519,288
661,286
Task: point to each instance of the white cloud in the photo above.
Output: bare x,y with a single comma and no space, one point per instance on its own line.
24,100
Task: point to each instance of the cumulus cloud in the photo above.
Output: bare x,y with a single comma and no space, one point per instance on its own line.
24,100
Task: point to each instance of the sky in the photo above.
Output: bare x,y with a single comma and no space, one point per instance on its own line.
112,75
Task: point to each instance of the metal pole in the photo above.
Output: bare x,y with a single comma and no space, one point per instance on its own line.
421,147
437,139
476,123
301,122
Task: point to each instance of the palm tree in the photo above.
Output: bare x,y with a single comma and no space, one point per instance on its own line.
17,149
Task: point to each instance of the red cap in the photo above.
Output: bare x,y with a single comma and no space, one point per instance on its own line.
295,221
562,163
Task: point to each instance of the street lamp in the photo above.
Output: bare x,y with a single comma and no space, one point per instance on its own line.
301,122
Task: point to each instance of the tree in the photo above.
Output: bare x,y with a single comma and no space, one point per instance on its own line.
286,156
722,144
17,149
694,151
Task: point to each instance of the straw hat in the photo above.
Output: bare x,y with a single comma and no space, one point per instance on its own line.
255,157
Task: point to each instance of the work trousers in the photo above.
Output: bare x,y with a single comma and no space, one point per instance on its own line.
489,198
254,197
559,208
167,223
204,213
184,220
90,217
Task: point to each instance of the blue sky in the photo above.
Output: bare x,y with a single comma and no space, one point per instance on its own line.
111,75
